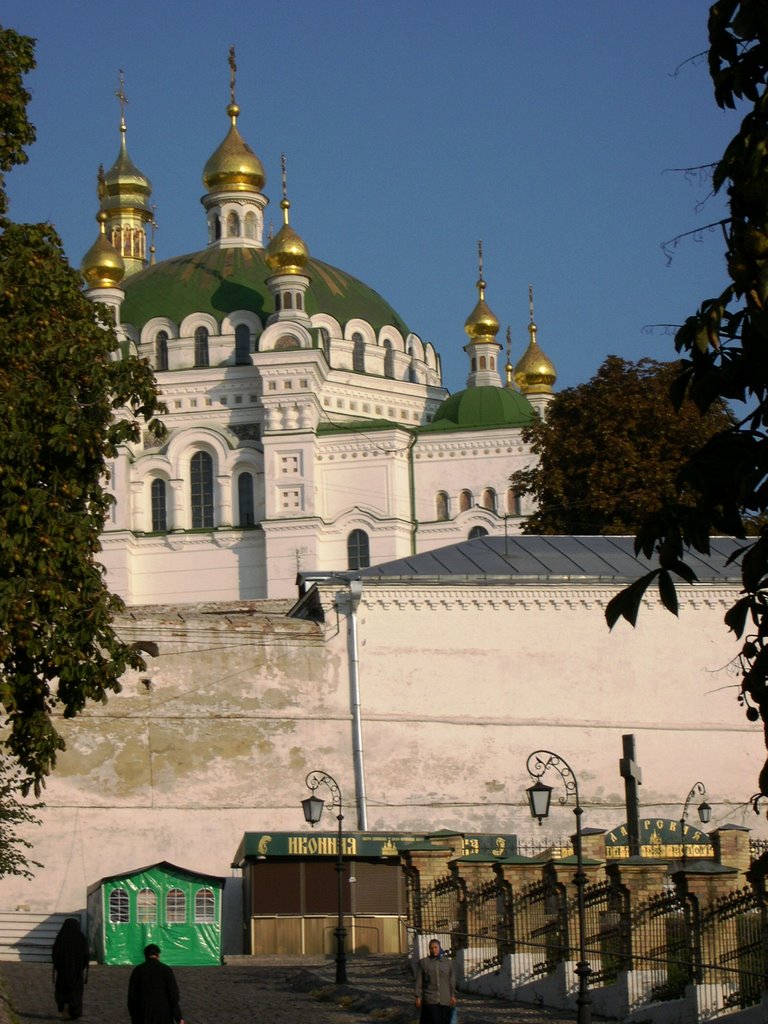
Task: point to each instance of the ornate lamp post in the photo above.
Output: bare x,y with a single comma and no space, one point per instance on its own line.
539,796
313,810
704,810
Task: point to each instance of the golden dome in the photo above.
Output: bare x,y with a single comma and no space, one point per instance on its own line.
124,184
102,265
482,325
234,167
287,252
535,372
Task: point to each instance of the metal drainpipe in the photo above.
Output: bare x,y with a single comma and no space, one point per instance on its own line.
412,490
355,593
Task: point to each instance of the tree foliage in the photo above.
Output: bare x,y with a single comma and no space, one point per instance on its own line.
14,851
67,403
610,449
725,356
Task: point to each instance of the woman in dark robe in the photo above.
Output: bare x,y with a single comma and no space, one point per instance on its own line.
70,966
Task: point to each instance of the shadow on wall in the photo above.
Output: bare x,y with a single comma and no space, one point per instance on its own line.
29,937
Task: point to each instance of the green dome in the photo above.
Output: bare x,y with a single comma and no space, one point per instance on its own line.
481,407
220,280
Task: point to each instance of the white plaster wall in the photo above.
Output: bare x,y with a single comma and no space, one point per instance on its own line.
458,685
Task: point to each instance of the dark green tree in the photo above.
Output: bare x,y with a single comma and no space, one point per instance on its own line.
14,851
67,403
725,356
609,450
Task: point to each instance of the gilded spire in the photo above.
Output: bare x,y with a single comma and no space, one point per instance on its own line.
120,93
481,325
509,369
534,373
233,167
286,252
102,266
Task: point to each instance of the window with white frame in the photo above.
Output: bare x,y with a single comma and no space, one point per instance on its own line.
159,505
175,907
201,490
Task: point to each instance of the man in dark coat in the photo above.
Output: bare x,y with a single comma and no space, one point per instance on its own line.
70,957
153,995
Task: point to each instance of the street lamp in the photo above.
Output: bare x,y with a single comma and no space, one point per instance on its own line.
313,810
539,796
704,810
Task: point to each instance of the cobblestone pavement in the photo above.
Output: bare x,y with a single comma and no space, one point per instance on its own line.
277,990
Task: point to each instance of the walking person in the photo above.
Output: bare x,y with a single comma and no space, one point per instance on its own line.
435,988
70,955
153,995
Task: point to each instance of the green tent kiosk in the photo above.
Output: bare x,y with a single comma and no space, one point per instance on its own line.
178,909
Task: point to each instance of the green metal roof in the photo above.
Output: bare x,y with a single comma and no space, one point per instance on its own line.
481,407
220,280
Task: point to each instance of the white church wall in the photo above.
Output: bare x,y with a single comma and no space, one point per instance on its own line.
457,685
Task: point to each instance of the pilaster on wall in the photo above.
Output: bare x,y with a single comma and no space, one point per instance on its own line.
640,878
706,881
732,848
431,864
519,872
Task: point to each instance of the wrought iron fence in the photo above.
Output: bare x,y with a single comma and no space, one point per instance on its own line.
665,951
436,910
663,944
607,937
488,927
733,933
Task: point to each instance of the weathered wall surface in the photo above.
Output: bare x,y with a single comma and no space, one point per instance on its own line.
458,684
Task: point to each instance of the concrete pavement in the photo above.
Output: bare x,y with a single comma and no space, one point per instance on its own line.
277,990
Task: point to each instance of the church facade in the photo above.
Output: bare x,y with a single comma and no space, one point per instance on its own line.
307,426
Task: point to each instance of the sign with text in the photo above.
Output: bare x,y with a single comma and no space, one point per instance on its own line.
660,838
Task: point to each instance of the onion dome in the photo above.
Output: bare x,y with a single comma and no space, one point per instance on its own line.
535,373
125,186
234,167
286,252
102,265
481,325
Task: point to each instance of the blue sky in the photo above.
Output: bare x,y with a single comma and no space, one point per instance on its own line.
412,128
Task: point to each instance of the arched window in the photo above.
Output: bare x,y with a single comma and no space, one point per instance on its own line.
233,225
482,362
242,345
278,304
389,360
441,505
201,346
175,907
146,906
205,907
217,228
201,490
161,350
119,907
358,552
465,501
245,499
250,225
477,531
489,499
358,353
513,502
474,364
288,301
299,300
158,503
